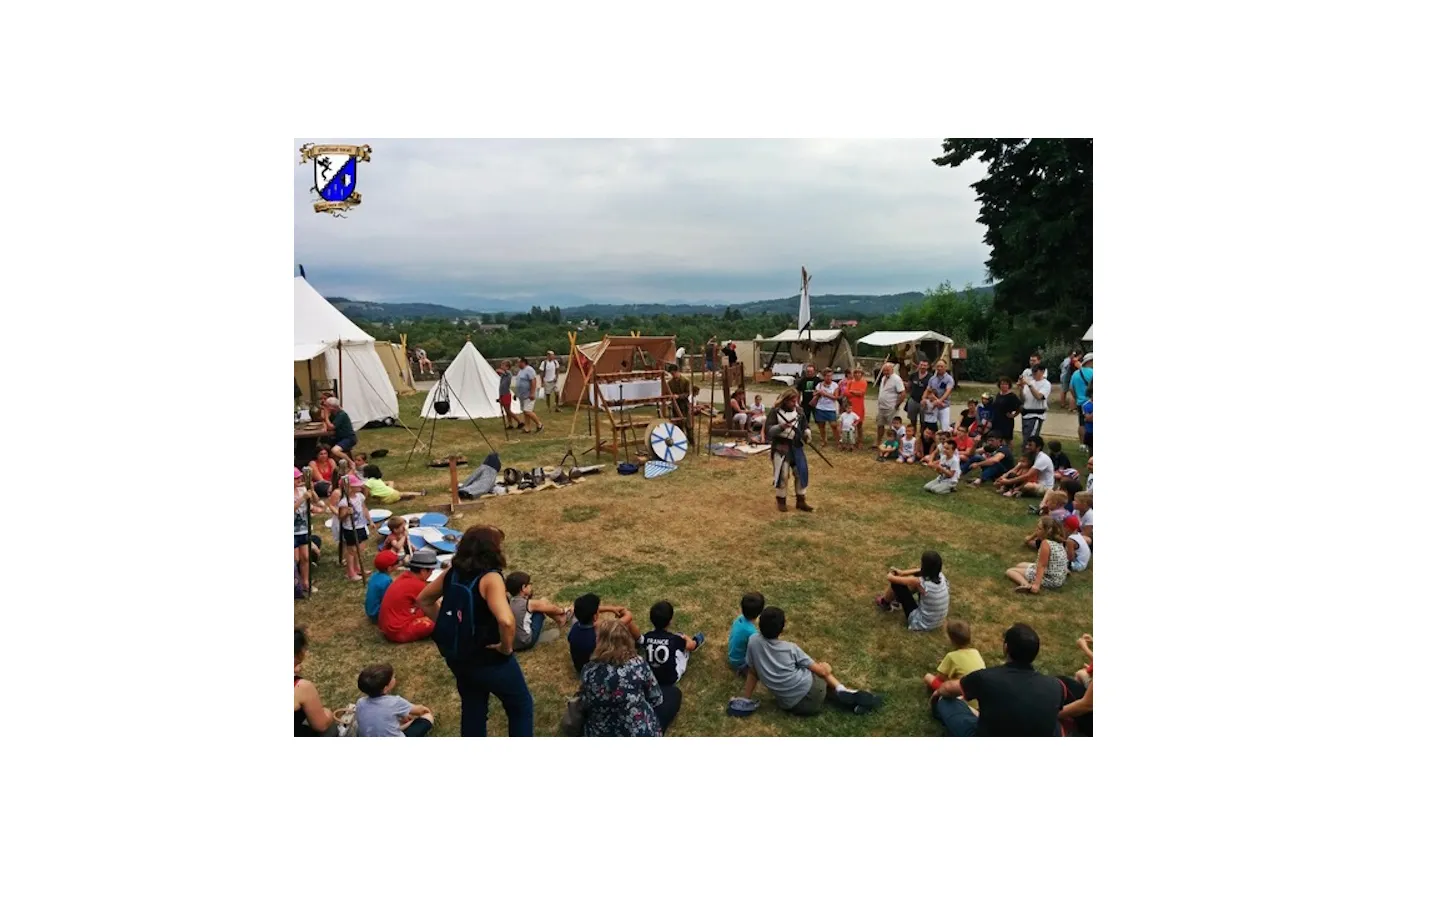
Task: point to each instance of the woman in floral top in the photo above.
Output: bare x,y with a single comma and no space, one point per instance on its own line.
618,689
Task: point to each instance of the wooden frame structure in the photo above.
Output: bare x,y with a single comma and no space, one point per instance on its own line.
606,403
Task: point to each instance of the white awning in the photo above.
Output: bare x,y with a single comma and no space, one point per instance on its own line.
892,338
1089,334
818,336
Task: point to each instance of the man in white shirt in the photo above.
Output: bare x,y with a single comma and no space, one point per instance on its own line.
550,379
891,390
1035,400
937,393
1030,369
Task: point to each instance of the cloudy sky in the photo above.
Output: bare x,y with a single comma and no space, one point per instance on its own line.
642,220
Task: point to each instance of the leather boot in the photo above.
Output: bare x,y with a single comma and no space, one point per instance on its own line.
801,505
780,503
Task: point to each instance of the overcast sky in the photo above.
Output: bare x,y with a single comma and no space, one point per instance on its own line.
643,220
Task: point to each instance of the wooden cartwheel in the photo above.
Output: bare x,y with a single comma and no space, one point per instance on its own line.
667,441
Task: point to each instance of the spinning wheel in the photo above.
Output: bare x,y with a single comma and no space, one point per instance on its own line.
668,442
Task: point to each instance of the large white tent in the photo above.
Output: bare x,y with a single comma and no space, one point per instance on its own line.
908,346
1089,334
471,385
330,346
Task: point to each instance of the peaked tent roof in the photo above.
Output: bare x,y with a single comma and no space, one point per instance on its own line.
319,325
349,354
817,335
891,338
472,386
1089,334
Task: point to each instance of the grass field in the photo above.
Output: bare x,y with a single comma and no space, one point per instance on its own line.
700,537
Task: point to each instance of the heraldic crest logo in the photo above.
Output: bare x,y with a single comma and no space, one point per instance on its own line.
335,168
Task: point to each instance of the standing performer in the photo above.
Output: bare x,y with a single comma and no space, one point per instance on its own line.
787,434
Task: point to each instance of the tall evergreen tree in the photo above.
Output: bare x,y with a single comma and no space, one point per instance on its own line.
1036,206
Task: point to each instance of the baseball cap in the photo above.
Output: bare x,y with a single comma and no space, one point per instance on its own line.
424,558
386,559
1072,522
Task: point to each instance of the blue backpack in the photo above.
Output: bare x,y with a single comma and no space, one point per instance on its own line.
457,633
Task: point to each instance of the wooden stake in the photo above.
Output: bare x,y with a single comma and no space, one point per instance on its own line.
454,485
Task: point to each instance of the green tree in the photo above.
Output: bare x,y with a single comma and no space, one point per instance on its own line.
1036,206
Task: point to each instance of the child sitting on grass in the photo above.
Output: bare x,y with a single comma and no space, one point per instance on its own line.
897,427
1077,547
907,446
383,714
530,612
1051,565
958,663
1052,505
398,540
751,605
889,448
1058,456
582,631
378,583
849,422
799,684
1084,501
947,471
667,652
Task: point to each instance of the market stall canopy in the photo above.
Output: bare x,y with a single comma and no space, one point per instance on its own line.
892,338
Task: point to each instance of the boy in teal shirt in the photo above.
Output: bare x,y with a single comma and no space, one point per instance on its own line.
743,627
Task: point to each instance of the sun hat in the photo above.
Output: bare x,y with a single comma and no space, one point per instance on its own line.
424,558
1087,357
386,559
985,396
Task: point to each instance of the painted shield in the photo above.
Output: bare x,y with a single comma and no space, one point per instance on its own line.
668,442
335,177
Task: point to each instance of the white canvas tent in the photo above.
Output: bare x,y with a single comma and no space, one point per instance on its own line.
822,346
1089,334
322,337
906,346
472,386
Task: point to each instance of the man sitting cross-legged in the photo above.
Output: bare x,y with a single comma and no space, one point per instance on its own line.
799,684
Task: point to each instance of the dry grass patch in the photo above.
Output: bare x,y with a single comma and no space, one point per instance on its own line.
700,537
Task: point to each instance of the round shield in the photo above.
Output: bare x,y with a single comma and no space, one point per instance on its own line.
668,442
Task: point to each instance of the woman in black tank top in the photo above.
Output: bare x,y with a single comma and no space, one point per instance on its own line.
480,651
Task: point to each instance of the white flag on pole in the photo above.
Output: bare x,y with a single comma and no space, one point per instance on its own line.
804,300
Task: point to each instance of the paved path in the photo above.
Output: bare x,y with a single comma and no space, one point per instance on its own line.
1060,423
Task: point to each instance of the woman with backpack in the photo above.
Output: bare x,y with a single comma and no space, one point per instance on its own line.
475,632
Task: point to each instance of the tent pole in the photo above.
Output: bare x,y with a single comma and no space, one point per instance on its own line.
340,378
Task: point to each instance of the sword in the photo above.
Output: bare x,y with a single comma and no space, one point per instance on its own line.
818,453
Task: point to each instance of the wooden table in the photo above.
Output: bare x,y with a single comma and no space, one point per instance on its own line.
307,443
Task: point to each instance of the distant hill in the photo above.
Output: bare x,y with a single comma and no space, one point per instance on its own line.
821,306
379,312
